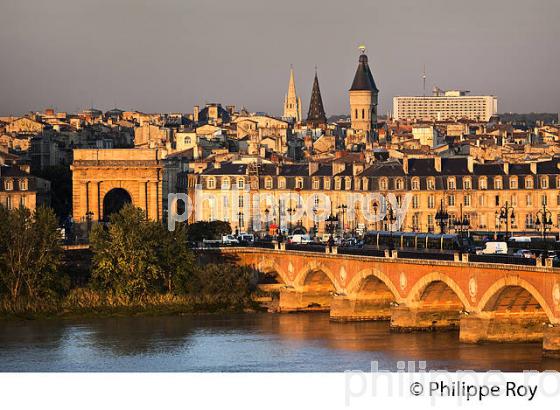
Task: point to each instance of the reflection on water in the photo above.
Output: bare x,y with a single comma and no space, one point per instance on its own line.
244,342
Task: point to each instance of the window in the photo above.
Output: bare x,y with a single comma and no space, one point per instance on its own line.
497,199
481,200
347,183
315,183
281,183
529,200
23,184
544,182
415,184
529,221
528,182
211,183
498,183
383,184
225,183
467,200
451,183
431,202
337,183
268,183
240,183
514,200
482,183
513,183
415,202
327,183
364,184
399,184
467,183
299,183
451,200
240,201
9,185
544,200
431,183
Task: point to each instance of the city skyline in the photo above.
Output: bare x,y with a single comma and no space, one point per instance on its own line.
164,58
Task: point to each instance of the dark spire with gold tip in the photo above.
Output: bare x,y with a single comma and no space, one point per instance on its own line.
316,116
363,80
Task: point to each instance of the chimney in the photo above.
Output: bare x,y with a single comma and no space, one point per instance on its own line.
196,110
437,164
357,168
506,168
470,164
338,167
405,165
533,167
313,167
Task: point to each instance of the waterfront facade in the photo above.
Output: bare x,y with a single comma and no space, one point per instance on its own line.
424,185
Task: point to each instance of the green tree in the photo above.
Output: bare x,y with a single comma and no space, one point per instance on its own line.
60,177
30,253
135,258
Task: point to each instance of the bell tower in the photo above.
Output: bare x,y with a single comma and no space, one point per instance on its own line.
292,103
363,99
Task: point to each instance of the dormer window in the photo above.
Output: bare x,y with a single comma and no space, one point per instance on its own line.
364,184
383,184
498,183
240,183
513,183
211,183
327,183
225,183
467,183
451,183
544,182
9,185
23,184
528,182
281,183
299,183
268,183
483,183
337,183
399,184
431,183
415,184
347,183
316,183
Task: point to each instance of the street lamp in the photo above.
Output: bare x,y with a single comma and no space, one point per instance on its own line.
506,217
291,211
239,216
375,214
390,219
461,224
544,223
342,208
266,212
314,222
442,217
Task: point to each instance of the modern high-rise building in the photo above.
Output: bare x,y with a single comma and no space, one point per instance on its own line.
445,105
292,103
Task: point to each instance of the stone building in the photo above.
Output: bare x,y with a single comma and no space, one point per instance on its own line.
292,103
18,188
479,190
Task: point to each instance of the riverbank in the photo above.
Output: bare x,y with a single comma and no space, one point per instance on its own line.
85,303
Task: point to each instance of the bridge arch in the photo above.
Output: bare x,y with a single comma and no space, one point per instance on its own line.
271,272
439,283
518,291
367,278
316,275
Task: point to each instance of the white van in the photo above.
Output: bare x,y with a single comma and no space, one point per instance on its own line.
495,248
300,238
229,240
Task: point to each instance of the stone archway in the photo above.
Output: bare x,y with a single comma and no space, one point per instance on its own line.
114,201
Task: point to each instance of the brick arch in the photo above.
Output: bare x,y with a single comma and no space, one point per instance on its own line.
500,284
299,281
268,265
415,294
361,277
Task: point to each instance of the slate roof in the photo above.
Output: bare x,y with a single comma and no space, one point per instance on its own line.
363,79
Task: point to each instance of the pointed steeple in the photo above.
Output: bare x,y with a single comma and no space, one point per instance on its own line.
292,103
316,115
363,79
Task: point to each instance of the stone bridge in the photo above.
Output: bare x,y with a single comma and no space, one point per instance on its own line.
485,301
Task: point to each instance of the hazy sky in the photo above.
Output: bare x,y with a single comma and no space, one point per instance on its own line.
168,55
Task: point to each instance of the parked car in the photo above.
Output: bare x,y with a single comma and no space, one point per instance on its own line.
300,238
246,238
230,240
524,253
495,248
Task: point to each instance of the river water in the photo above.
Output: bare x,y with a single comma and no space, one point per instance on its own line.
260,342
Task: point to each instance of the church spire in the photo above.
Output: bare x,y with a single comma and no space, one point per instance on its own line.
292,103
316,116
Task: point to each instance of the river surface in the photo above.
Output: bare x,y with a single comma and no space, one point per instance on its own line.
261,342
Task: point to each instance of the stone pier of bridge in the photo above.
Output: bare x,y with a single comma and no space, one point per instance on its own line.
483,301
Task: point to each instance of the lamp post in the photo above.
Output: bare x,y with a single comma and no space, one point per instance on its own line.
462,224
266,212
239,216
442,217
314,222
375,214
291,211
506,217
544,223
390,219
342,208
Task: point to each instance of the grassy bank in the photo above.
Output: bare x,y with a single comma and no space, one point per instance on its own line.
85,303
